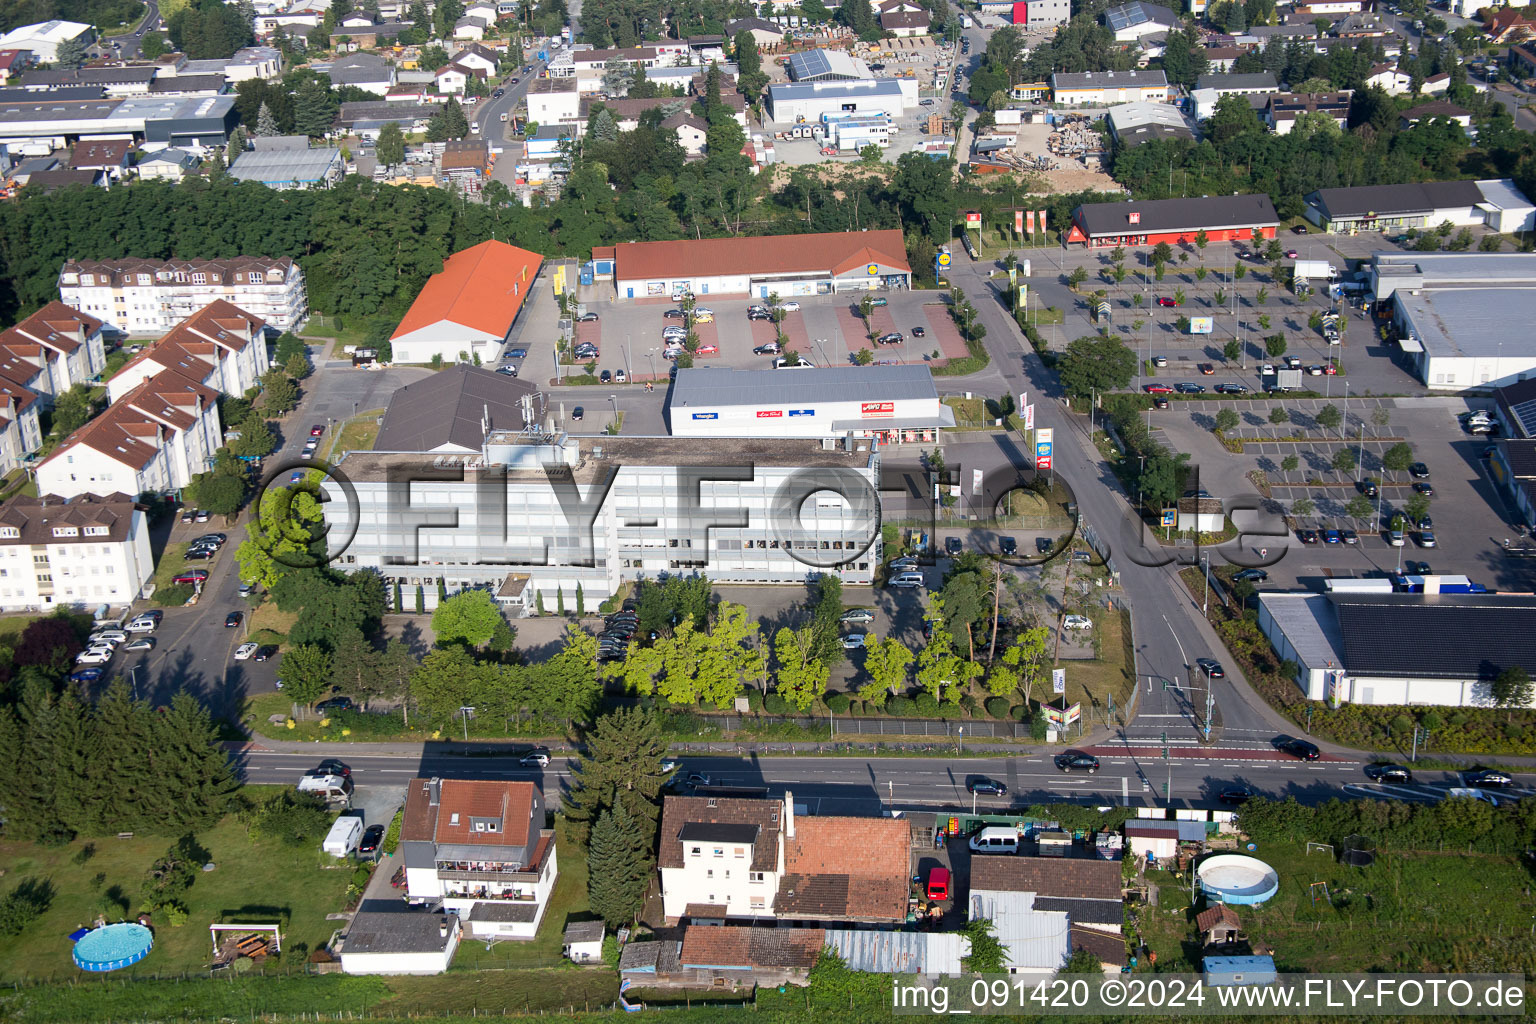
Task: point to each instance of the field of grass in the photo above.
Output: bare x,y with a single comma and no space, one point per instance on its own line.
1407,912
259,880
356,434
269,617
12,626
172,561
1110,674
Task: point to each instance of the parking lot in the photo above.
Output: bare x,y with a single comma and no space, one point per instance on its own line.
1469,517
826,330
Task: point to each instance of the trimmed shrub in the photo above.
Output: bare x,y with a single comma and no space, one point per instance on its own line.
901,707
927,705
775,704
950,709
997,707
754,700
838,703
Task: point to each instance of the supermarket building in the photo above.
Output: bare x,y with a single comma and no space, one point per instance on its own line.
818,264
1175,221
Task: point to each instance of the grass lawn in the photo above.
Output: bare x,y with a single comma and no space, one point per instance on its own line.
1093,682
269,617
1407,912
356,434
259,880
381,727
12,626
172,561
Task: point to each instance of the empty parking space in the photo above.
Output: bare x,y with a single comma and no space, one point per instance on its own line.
946,333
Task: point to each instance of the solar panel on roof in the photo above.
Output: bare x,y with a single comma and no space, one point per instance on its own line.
1525,412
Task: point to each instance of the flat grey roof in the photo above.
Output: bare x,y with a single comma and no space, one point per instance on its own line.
1461,269
835,87
711,388
1257,80
1309,623
717,832
1105,79
384,926
1458,322
284,165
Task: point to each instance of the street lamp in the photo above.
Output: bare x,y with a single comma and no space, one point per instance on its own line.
651,355
960,740
614,399
1205,559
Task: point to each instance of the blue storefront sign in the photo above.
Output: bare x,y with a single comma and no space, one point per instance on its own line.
706,415
802,412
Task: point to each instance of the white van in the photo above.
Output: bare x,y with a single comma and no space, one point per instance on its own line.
343,836
144,625
783,363
330,788
995,839
907,579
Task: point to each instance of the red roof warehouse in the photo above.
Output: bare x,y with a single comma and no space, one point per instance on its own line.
1222,218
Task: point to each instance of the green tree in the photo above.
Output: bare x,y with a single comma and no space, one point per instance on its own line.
1511,688
314,109
1232,350
1344,460
219,493
1329,417
1358,507
391,145
285,534
1302,507
987,953
826,619
278,394
751,79
469,617
448,124
886,662
941,672
1095,363
1226,419
800,677
256,438
297,367
618,867
72,409
1278,415
266,122
70,53
620,763
1077,277
1416,507
306,673
1275,345
1398,457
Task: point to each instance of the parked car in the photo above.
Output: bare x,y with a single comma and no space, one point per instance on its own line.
1207,369
373,835
1332,537
537,759
516,353
1424,489
85,675
769,349
1159,360
335,704
187,514
878,300
577,413
1350,536
858,616
265,652
1008,546
1426,538
1159,402
203,515
606,377
1231,389
192,576
1165,300
1211,667
245,651
317,430
953,546
794,307
1043,545
1307,536
707,350
1189,388
1077,762
919,332
94,656
983,786
587,318
893,338
1157,389
853,641
1077,622
620,377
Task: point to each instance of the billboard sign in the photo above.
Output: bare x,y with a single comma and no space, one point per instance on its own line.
1058,680
1201,324
973,219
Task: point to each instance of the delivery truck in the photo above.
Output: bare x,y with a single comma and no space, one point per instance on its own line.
1315,270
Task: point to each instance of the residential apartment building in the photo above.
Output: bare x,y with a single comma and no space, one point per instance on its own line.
724,858
151,297
63,346
153,439
545,512
222,346
1285,107
81,552
481,849
21,432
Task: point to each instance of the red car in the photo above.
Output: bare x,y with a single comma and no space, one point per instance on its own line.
1331,369
707,350
1157,389
1291,254
1163,300
316,430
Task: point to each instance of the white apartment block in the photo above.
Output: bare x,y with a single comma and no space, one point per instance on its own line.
82,553
725,853
64,345
479,848
154,440
21,433
547,513
222,346
151,297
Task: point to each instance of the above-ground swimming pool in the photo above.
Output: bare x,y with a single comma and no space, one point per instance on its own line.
1234,878
113,946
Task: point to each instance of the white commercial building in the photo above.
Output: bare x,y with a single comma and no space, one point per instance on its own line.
1440,649
80,553
152,440
553,101
543,513
882,402
153,296
1105,88
44,38
1462,318
464,311
813,101
1492,202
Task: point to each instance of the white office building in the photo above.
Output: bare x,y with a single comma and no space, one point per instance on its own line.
151,296
885,403
44,38
77,553
811,101
535,514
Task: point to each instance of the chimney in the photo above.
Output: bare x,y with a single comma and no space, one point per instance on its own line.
442,927
434,792
789,815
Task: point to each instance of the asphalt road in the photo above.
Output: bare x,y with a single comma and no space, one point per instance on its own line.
489,115
850,785
129,44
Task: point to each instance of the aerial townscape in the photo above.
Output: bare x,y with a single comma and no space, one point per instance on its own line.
1101,554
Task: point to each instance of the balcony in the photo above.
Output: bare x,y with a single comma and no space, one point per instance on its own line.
506,877
471,893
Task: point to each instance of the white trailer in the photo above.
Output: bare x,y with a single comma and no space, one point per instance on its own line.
1316,270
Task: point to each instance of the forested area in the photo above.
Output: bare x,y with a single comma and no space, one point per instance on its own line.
104,13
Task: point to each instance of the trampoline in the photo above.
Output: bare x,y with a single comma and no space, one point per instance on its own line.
114,946
1235,878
